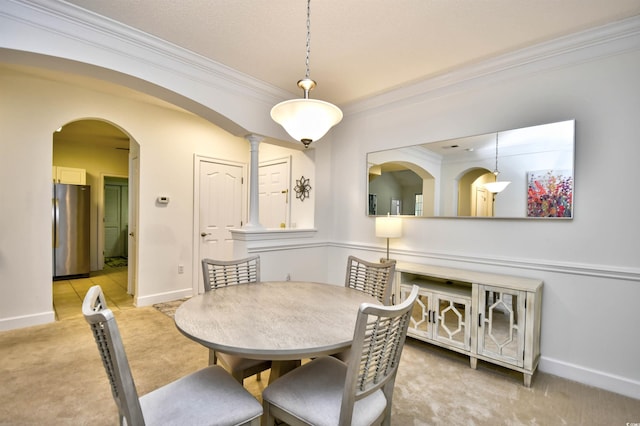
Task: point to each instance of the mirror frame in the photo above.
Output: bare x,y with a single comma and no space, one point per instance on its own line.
539,161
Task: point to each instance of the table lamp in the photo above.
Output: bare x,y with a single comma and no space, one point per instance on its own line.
388,227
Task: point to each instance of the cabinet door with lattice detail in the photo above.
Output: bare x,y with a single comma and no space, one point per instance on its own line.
421,323
501,324
452,320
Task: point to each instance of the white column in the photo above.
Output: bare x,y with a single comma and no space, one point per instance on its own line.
254,203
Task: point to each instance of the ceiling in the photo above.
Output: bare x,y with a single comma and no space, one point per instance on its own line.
359,48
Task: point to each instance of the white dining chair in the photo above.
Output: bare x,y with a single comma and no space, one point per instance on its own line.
206,397
228,272
372,278
375,279
329,392
218,273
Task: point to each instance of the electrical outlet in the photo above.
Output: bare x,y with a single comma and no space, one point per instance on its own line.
181,269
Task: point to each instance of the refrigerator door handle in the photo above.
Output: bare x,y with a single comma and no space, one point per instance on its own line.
56,218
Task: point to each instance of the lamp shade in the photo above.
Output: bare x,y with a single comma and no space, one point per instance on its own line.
306,119
388,227
497,186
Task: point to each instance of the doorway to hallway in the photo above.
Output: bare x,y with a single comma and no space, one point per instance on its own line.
108,157
116,219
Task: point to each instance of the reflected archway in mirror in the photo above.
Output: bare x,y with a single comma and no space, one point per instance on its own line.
473,198
398,188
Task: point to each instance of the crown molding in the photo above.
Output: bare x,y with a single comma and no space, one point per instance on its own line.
51,31
588,45
103,34
61,19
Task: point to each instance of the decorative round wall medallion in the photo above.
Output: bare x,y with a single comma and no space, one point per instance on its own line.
302,188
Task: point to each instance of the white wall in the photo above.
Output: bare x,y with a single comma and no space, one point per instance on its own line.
168,141
590,264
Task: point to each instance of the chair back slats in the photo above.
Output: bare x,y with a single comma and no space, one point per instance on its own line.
114,359
379,338
375,279
219,273
380,355
101,340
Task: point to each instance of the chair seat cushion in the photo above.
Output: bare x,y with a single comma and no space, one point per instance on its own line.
188,400
319,403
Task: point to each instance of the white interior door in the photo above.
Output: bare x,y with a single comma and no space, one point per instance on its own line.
134,185
112,221
220,208
124,219
274,193
483,204
116,219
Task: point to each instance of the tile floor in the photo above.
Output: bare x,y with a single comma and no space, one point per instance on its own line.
68,294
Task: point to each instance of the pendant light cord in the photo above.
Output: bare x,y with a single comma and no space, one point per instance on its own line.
496,172
306,120
308,37
307,84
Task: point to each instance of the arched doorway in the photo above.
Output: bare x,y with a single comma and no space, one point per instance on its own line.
107,159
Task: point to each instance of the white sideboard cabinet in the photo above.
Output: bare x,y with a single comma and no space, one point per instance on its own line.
492,317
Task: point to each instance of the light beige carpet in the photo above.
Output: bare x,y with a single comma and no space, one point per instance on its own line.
52,375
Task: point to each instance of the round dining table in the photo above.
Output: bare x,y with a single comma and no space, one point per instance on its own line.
281,321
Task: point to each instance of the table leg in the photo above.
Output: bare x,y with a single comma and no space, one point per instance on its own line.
279,368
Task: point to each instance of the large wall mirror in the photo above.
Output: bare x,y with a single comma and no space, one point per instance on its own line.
520,173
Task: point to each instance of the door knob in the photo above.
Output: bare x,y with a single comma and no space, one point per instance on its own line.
131,234
204,234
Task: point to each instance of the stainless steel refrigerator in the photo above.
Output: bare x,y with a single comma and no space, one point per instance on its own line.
71,225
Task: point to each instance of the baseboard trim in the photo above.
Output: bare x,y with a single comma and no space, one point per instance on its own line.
23,321
169,296
590,377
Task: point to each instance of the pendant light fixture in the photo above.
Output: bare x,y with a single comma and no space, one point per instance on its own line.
306,120
497,186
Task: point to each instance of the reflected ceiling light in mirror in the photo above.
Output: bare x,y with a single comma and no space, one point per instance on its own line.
306,120
388,227
497,186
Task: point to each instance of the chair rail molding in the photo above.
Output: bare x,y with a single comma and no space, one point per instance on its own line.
248,234
542,265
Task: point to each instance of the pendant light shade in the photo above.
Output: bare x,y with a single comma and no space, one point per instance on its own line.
306,120
495,187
